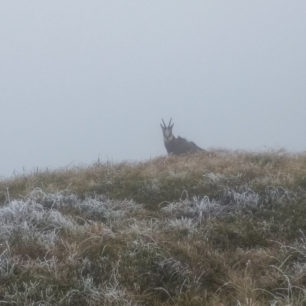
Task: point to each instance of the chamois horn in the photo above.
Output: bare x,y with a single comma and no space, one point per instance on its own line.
164,123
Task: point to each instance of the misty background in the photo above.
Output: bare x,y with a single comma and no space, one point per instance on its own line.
82,80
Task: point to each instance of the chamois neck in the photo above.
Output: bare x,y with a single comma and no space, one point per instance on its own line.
169,139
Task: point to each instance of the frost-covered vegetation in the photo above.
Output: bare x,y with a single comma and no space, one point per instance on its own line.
225,228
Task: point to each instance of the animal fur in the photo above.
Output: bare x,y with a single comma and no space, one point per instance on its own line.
177,145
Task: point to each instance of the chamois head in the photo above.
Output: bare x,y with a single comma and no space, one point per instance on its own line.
167,130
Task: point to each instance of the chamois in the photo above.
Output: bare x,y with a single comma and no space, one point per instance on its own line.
177,145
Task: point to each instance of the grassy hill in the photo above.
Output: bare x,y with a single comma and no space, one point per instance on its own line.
225,228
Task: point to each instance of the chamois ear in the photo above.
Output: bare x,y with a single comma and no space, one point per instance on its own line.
162,126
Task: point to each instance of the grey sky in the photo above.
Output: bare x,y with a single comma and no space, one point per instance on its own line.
86,79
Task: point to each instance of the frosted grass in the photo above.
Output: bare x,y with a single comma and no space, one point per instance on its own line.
98,208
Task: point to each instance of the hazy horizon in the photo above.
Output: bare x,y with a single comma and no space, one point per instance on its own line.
81,81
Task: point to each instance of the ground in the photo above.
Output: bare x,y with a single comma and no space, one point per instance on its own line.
216,228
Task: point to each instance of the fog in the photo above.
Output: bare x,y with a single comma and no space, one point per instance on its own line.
82,80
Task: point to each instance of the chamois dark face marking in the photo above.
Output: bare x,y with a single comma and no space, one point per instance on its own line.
167,130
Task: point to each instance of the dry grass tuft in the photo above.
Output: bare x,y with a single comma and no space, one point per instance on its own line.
225,228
